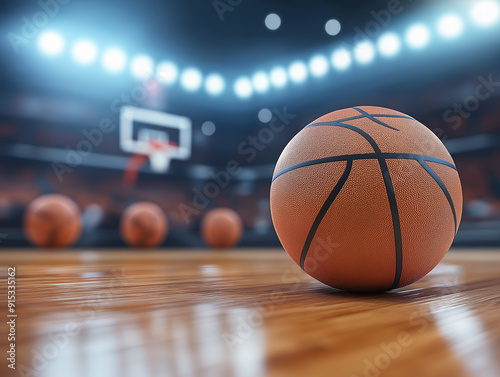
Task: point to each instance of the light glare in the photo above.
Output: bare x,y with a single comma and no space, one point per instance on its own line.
51,43
167,72
191,79
450,26
278,77
243,87
84,52
485,13
298,72
318,66
142,66
389,44
418,36
214,84
364,52
341,59
114,59
260,82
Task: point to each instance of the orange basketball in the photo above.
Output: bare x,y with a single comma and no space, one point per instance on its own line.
366,199
221,227
143,224
52,221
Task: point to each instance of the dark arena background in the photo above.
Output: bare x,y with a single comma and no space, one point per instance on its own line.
91,94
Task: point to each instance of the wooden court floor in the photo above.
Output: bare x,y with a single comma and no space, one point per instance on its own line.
242,313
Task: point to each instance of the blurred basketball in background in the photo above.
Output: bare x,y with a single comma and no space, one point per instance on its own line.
143,224
366,199
52,221
221,228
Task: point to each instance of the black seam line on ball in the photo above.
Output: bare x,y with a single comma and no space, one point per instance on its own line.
322,212
364,156
443,188
375,116
372,118
391,196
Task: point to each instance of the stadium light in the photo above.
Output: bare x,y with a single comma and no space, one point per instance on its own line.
418,36
298,72
341,59
260,82
191,79
84,52
167,72
278,77
243,87
141,66
364,52
332,27
450,26
265,115
208,128
273,21
214,84
389,45
485,13
318,65
51,43
114,59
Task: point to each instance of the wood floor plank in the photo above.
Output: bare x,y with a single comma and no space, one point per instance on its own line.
243,313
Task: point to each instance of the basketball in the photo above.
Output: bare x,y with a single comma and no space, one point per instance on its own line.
366,199
221,228
52,221
143,224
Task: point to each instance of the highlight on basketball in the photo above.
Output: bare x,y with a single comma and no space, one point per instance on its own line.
249,189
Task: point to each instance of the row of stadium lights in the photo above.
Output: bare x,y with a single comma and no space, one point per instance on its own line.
114,60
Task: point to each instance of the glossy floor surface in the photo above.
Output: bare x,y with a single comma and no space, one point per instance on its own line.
242,313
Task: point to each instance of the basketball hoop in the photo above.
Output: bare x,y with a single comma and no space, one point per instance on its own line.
159,153
160,156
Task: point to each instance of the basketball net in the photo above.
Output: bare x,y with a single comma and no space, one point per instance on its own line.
159,159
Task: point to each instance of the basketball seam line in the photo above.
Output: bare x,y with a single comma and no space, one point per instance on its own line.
324,209
443,188
390,196
375,116
372,118
364,156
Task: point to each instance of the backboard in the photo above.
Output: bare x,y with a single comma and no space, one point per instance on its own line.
158,135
